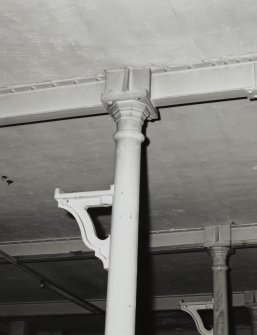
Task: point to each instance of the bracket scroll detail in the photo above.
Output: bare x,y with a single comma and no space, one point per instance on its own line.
192,309
77,203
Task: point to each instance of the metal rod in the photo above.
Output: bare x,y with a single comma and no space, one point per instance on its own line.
46,283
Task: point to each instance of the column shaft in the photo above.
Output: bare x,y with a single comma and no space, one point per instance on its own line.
220,307
122,277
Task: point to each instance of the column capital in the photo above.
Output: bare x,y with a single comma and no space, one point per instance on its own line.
128,89
219,256
129,109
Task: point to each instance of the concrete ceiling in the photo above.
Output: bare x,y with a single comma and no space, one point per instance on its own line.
198,169
51,40
199,165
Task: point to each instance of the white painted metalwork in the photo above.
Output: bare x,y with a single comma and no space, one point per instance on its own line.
160,240
192,309
77,204
65,307
219,235
127,100
169,86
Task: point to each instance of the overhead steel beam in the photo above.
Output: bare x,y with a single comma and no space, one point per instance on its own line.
160,303
82,96
160,241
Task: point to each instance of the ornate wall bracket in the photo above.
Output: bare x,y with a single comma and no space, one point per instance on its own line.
192,309
77,204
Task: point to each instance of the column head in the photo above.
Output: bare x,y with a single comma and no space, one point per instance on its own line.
219,255
130,86
132,109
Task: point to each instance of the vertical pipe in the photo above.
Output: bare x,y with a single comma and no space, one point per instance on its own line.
122,278
220,307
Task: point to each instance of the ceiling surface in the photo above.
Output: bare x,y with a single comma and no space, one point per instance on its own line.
199,162
199,168
52,40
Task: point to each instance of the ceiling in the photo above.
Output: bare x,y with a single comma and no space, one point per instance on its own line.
198,169
51,40
199,161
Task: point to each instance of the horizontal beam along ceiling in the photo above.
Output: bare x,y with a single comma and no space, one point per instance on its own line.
168,240
74,98
161,303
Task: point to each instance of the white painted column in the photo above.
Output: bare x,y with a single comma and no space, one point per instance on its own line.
122,278
220,307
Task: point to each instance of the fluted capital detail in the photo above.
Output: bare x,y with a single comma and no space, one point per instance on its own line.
219,256
129,109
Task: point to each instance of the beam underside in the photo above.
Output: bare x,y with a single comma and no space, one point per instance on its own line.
160,303
68,99
160,241
168,88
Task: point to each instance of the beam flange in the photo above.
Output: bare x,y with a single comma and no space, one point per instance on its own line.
160,241
65,307
82,96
